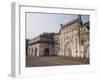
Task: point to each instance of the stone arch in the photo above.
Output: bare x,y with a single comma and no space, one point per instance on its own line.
86,51
46,52
32,52
29,51
35,52
67,49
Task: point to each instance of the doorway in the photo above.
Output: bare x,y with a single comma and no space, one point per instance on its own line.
46,52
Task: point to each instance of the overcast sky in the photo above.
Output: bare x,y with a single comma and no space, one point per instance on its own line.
37,23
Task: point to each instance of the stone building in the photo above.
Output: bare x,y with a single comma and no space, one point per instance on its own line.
41,45
71,40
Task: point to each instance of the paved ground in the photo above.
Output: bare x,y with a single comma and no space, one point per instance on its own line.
53,61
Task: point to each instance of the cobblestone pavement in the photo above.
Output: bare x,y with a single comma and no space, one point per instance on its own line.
54,61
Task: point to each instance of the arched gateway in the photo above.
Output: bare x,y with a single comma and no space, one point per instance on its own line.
35,52
46,52
67,50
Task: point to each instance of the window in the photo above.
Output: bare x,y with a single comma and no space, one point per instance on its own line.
84,29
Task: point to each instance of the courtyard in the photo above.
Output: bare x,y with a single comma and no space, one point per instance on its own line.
33,61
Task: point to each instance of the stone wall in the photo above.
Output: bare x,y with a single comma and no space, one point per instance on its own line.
85,41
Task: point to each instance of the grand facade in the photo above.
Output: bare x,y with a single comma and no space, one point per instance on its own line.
71,40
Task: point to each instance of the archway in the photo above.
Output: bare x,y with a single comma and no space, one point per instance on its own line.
32,52
35,52
46,52
67,50
29,52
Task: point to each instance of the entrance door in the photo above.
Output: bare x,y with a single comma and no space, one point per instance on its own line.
67,52
46,52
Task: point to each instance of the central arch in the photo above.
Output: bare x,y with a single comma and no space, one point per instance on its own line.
46,52
67,50
35,52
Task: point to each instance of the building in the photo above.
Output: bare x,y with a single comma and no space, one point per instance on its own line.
71,40
41,45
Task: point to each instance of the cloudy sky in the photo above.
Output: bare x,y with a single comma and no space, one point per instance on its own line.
37,23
